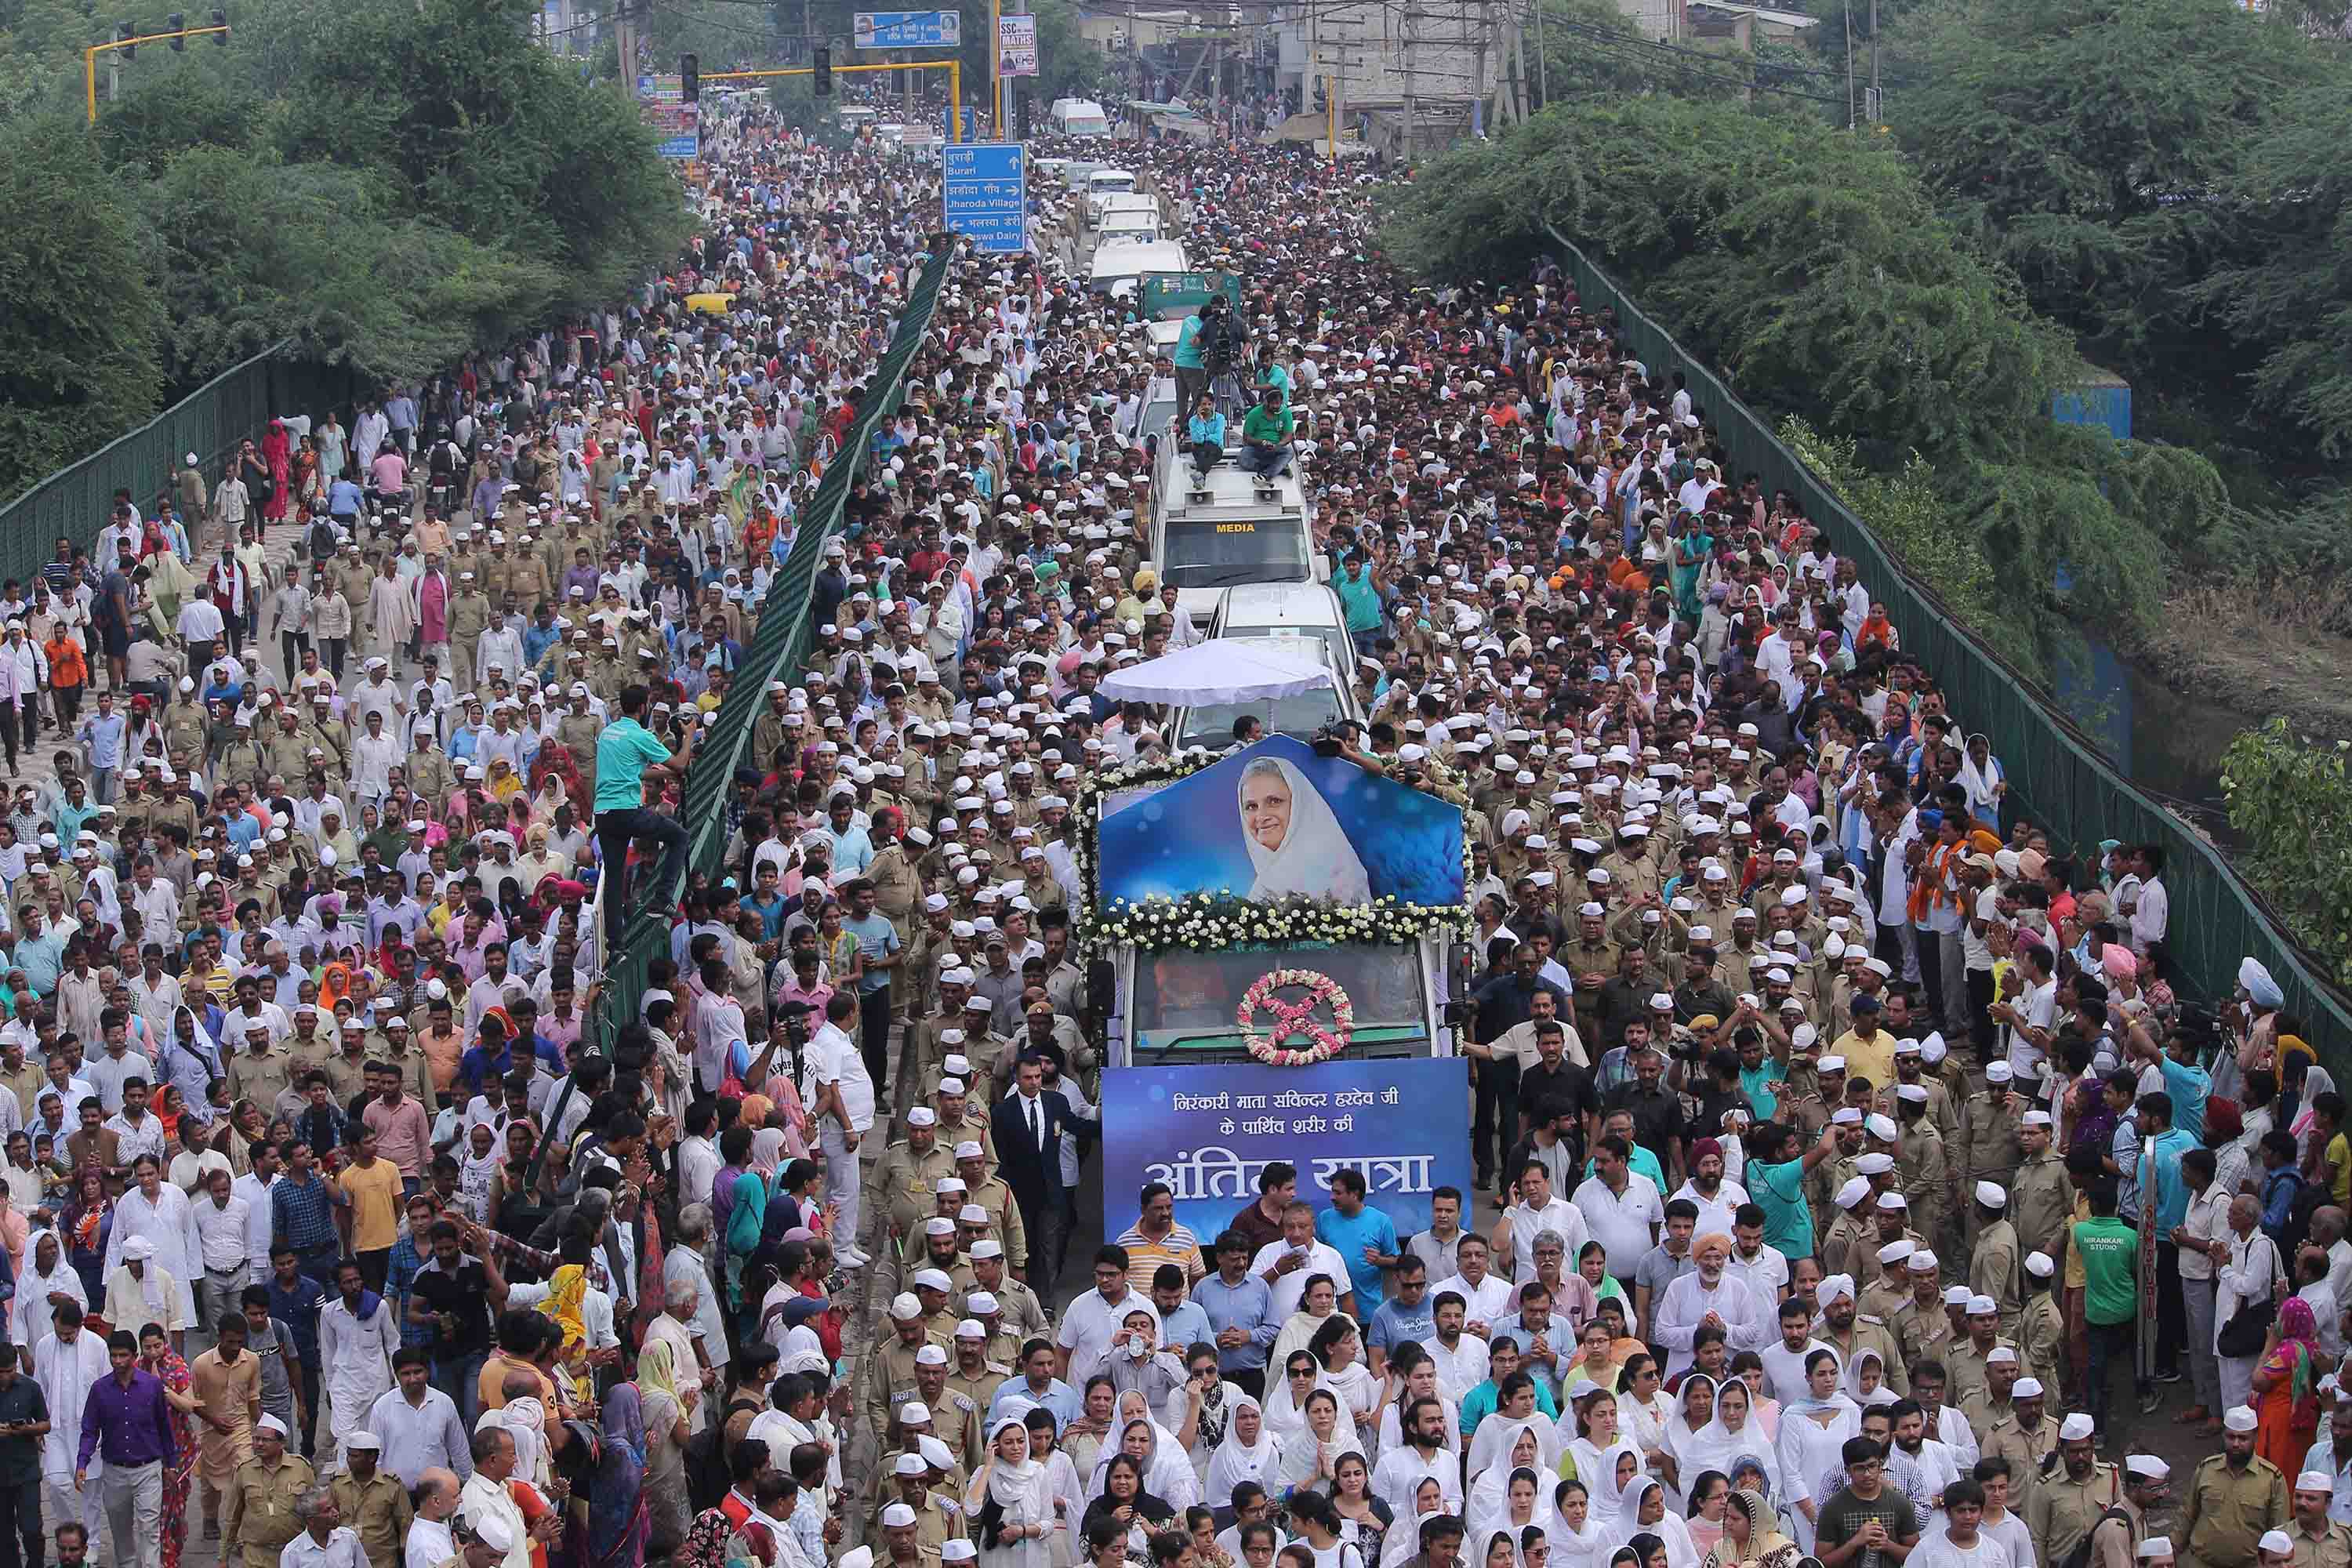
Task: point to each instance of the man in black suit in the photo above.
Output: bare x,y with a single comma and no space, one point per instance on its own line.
1028,1127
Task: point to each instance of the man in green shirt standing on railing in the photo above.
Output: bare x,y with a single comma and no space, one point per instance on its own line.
1266,435
625,753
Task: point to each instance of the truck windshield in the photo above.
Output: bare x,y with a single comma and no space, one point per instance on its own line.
1212,555
1299,717
1184,1001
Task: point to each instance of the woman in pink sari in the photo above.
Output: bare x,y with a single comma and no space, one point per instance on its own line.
278,451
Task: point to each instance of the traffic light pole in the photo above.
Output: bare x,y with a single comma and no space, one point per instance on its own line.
124,46
953,66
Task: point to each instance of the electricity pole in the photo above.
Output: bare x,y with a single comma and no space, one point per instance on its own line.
1877,105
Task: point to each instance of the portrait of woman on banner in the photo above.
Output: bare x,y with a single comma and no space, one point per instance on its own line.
1294,840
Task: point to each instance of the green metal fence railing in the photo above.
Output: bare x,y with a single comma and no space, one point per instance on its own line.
780,642
2055,772
76,501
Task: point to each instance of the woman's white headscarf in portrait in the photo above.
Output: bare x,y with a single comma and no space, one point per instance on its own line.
1235,1461
1717,1447
1586,1548
1491,1445
1313,856
1018,1488
1492,1510
1682,1437
1167,1470
1668,1527
1403,1538
1597,1468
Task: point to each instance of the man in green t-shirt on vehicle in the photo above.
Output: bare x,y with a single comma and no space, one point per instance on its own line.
1266,435
626,753
2109,1250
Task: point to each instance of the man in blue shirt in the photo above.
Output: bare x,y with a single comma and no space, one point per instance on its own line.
102,734
1037,1385
852,848
1775,1179
626,753
879,951
1362,1236
1240,1308
40,949
1183,1323
1404,1318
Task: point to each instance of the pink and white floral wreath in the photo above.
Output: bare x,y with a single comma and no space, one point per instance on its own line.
1292,1019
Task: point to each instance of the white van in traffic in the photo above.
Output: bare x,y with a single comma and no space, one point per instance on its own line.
1078,116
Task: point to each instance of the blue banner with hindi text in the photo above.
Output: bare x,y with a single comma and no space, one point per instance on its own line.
1209,1130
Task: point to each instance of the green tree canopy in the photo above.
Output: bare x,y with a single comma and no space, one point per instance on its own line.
1813,267
389,182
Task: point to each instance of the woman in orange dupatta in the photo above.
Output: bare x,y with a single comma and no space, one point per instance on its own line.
2286,1386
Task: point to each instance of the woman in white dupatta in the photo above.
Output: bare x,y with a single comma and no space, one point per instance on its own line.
1605,1462
1063,1494
1295,841
1579,1538
1011,1497
1403,1538
43,1274
1251,1452
1644,1409
1167,1468
1489,1492
1645,1512
1525,1501
1286,1397
1694,1407
1814,1431
1729,1436
1499,1435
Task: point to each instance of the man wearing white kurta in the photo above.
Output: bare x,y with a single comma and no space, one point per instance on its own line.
1709,1294
155,1209
68,1365
47,1277
356,1339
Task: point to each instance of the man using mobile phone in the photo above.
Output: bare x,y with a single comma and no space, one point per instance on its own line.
24,1422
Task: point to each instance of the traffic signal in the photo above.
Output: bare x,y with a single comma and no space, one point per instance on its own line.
176,24
122,32
690,80
1023,100
821,59
220,20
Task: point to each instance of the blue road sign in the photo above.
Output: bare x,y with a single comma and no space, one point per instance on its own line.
987,187
907,30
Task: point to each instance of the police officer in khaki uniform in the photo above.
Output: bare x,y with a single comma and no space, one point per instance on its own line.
890,1365
2025,1437
2234,1497
2319,1541
907,1484
259,1518
2120,1538
1846,1330
2041,1326
2060,1507
986,1191
373,1504
977,1378
908,1171
955,1416
1990,1148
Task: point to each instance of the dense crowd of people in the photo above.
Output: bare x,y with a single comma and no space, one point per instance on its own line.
1823,1106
